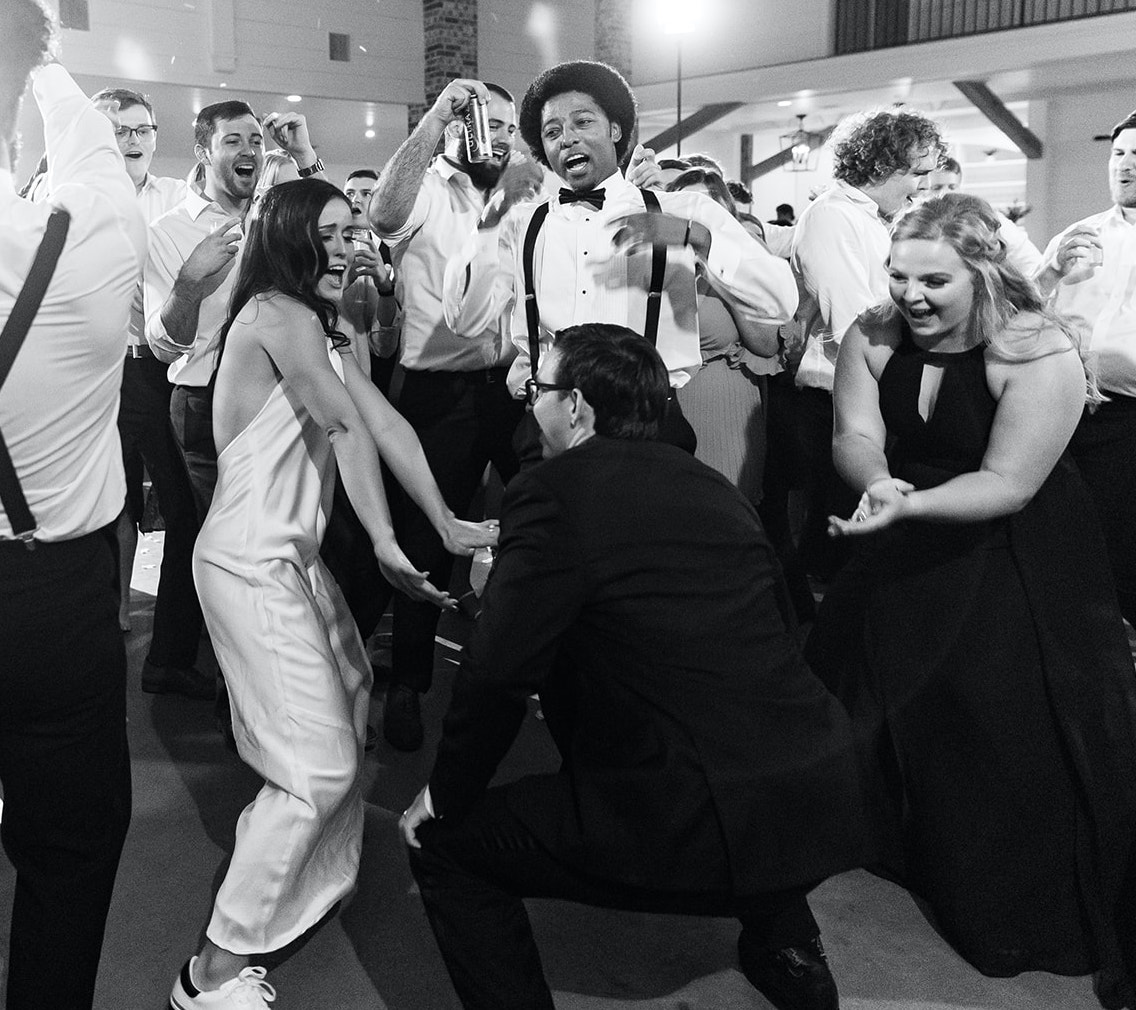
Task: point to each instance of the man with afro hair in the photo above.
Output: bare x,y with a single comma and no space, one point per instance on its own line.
591,246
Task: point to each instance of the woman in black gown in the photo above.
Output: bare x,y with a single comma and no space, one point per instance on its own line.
976,638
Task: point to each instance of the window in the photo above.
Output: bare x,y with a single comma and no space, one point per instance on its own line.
339,47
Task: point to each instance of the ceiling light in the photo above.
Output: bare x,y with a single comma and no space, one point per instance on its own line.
369,134
295,98
784,104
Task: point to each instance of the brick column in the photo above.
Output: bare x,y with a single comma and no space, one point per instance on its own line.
613,34
450,30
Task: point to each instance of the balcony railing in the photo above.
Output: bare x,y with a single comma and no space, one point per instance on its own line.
878,24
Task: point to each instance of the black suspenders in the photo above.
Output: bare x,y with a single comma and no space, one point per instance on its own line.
654,293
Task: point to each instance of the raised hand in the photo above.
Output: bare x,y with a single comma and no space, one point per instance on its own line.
210,262
451,104
643,170
290,131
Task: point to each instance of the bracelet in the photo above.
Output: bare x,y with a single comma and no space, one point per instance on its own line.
686,237
316,166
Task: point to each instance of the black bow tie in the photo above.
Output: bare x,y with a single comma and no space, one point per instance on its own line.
592,196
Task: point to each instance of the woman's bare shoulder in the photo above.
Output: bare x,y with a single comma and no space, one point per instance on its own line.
1028,336
881,325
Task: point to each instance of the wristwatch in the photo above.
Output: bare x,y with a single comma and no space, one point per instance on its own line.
316,166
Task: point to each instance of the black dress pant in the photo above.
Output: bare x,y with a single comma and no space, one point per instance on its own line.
64,764
1104,448
464,421
191,417
824,491
781,477
474,874
144,427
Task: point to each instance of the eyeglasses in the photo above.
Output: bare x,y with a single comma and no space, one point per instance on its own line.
144,132
533,389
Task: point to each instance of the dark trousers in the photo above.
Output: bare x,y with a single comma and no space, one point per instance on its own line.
1104,448
144,427
64,764
191,417
464,421
472,876
825,492
782,476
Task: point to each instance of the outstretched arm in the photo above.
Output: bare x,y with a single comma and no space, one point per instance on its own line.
402,452
293,339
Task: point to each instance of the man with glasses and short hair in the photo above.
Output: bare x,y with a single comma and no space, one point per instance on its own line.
144,428
705,769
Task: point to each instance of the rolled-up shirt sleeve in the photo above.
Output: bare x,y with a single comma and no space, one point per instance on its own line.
162,267
758,283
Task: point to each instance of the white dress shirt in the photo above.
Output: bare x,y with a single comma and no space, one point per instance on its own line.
1020,251
840,246
59,405
1102,303
173,237
158,195
579,278
445,213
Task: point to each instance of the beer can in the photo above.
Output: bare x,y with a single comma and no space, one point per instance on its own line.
478,141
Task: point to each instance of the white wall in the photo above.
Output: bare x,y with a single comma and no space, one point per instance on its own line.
517,39
731,35
256,45
1071,180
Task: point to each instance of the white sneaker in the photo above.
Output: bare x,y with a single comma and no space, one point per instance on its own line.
247,990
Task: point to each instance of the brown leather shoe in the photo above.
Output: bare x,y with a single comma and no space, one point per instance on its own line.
188,682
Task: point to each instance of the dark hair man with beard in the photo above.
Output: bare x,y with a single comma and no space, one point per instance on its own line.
454,392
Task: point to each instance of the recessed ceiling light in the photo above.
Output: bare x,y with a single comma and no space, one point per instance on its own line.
222,85
784,104
370,134
295,98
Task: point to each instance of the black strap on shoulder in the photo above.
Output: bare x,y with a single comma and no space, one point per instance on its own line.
658,271
11,339
532,312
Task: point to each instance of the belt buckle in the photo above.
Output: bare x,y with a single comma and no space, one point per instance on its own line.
27,538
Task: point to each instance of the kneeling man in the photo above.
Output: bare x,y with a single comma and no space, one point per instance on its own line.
705,769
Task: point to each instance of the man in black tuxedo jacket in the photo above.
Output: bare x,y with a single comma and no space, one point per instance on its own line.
705,769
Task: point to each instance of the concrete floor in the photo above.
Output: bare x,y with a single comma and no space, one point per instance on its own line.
378,952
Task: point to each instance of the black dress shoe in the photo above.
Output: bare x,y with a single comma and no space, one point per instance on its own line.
402,718
792,978
188,682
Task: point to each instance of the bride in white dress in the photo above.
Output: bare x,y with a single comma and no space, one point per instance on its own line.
290,404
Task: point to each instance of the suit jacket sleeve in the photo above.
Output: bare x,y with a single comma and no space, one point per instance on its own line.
536,591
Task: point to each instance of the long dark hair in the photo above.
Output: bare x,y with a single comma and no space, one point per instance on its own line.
284,252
